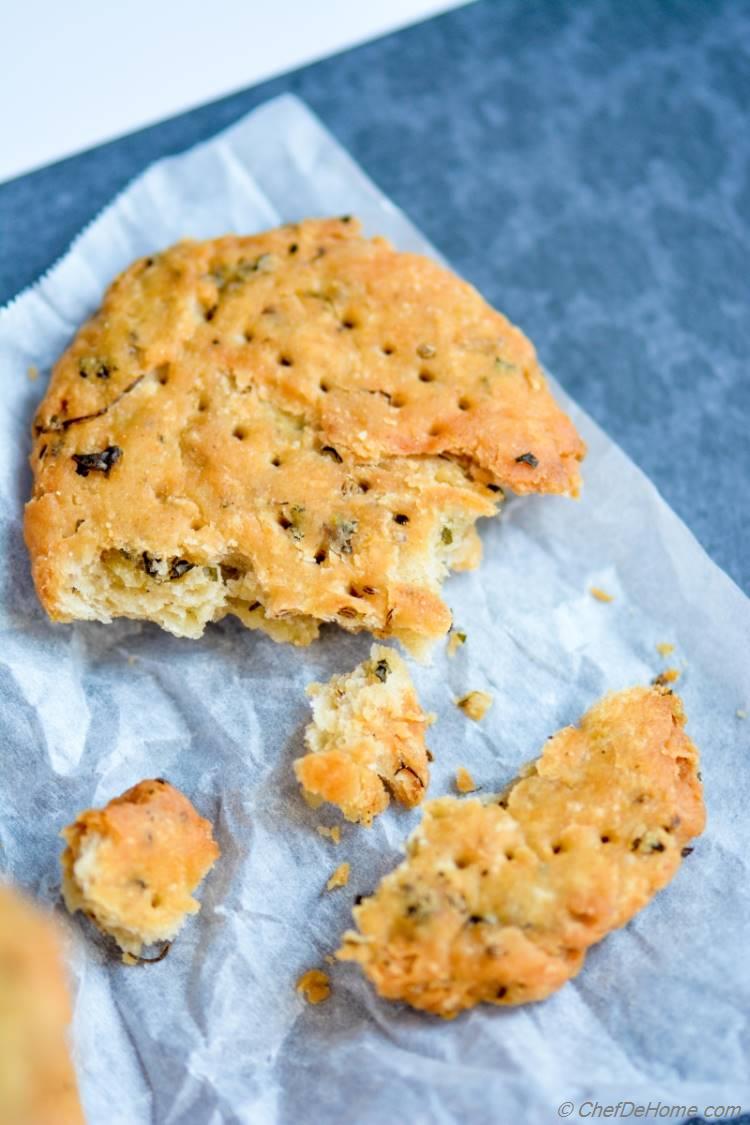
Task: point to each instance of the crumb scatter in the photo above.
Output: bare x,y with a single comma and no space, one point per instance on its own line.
333,834
339,878
314,986
668,676
475,704
465,783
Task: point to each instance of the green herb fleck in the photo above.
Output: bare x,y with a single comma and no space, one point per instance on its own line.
97,462
527,459
343,533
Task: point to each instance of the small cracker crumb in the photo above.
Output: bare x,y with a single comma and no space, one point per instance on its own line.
668,676
601,595
132,659
32,373
329,959
314,985
664,648
339,878
465,783
741,714
456,638
475,704
331,833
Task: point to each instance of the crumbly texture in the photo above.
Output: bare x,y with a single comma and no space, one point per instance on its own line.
668,676
664,648
366,740
295,427
333,833
132,867
499,902
475,704
456,640
465,783
339,878
37,1080
601,595
315,986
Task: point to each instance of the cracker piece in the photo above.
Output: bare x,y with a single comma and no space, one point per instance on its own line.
500,901
37,1079
367,739
296,427
133,866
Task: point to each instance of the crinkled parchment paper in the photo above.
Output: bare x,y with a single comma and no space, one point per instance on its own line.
216,1033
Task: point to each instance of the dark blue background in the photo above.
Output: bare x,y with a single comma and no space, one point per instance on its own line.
586,164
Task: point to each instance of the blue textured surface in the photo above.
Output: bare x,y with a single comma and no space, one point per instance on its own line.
586,165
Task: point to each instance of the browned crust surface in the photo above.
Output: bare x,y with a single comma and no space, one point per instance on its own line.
275,402
499,902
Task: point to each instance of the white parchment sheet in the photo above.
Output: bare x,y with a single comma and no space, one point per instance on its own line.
215,1033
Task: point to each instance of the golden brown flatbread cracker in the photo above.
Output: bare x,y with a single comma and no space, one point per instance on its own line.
499,902
366,740
295,427
132,867
37,1079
